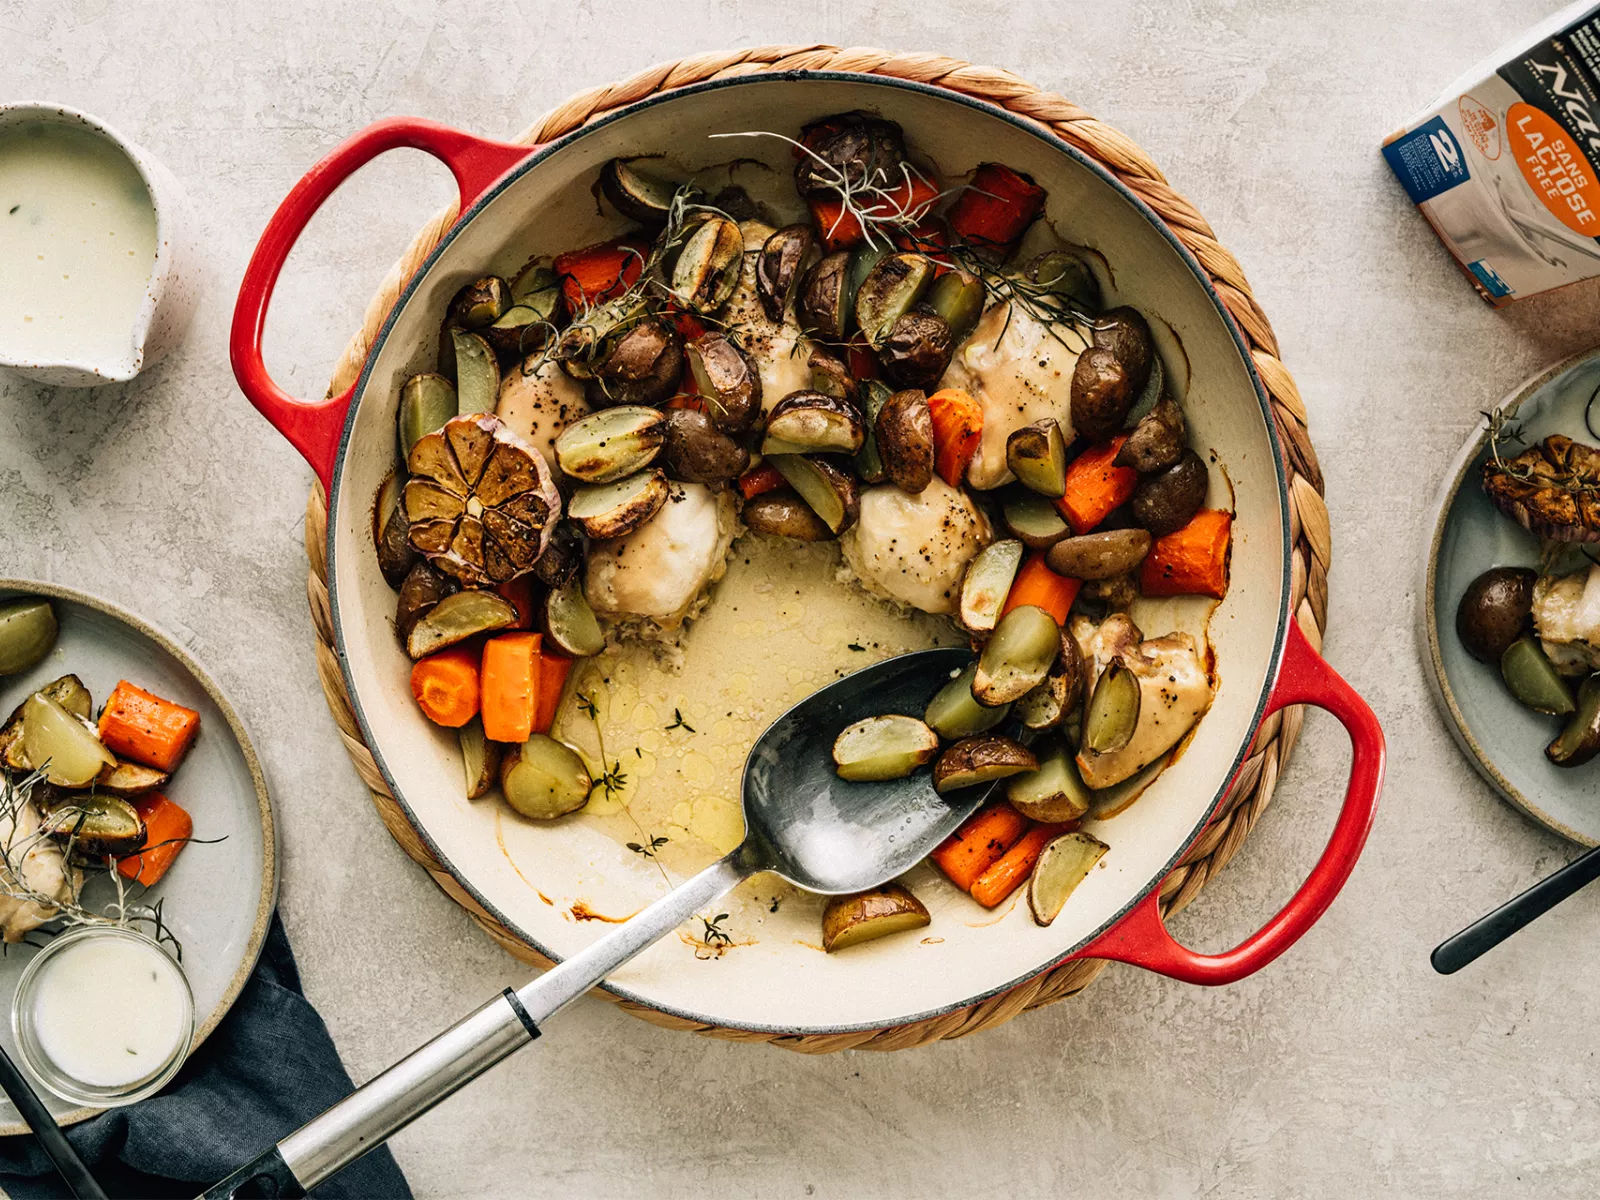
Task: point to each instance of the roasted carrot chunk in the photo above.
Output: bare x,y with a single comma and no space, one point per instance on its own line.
598,273
168,828
756,480
1192,561
1038,585
1012,868
445,686
1096,486
139,725
510,686
978,843
996,208
957,429
553,670
838,228
518,593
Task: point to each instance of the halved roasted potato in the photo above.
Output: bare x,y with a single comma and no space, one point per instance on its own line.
457,618
611,443
917,350
832,378
891,287
1063,864
808,422
422,588
130,780
981,759
1016,658
1053,792
850,920
611,510
903,433
987,583
954,712
570,623
1034,520
1101,555
643,366
887,747
957,298
1037,455
826,303
707,268
726,380
27,632
696,451
477,373
636,195
67,691
95,826
832,494
1113,712
427,401
783,257
544,779
480,758
60,743
1054,701
783,514
480,303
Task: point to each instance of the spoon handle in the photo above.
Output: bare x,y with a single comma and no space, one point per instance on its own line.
1489,931
379,1109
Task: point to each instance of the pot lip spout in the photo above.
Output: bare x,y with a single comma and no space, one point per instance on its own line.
166,200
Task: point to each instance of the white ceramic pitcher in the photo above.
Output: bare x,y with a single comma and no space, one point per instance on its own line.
173,289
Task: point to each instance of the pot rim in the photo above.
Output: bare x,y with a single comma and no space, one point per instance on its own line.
1050,139
166,248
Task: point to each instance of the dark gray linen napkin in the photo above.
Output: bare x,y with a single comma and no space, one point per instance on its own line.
266,1070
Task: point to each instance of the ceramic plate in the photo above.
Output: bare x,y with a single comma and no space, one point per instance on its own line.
218,897
1504,740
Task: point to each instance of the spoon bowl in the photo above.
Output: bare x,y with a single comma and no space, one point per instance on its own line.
830,835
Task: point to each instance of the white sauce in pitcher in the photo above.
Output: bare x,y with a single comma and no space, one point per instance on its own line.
110,1011
77,246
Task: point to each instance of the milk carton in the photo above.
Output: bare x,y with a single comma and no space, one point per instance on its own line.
1504,164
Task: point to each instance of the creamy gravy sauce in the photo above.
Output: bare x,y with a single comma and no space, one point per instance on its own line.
109,1011
77,246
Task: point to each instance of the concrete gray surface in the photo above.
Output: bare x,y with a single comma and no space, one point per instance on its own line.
1347,1068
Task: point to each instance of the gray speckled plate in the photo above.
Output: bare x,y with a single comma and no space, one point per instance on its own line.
1467,536
218,897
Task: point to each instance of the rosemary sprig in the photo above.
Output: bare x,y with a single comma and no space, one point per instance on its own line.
881,204
22,837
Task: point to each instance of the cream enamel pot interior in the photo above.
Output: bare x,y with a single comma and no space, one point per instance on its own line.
751,651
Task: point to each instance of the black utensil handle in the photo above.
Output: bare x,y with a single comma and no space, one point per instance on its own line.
1489,931
47,1131
269,1176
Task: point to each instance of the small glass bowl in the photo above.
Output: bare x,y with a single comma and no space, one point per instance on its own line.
43,1068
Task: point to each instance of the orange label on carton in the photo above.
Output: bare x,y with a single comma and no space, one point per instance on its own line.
1555,168
1480,126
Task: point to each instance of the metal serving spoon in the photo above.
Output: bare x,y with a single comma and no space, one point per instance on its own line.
1487,932
802,822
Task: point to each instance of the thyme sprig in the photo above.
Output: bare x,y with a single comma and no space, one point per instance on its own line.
679,723
648,849
714,934
1504,429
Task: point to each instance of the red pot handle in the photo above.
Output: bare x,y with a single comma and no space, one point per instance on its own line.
1142,939
314,427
